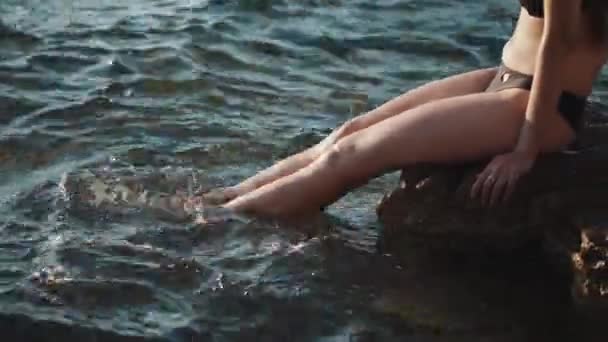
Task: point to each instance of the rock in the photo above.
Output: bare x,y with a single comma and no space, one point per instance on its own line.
590,267
432,212
560,205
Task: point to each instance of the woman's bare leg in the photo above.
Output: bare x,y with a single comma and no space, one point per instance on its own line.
453,129
458,85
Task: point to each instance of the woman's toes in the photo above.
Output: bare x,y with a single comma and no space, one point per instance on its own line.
218,196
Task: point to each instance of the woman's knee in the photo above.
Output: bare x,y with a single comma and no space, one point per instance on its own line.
347,128
339,153
352,163
351,126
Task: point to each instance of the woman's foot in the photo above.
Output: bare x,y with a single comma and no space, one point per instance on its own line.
219,196
205,213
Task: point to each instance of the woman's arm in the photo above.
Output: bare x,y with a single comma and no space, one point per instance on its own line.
562,19
561,23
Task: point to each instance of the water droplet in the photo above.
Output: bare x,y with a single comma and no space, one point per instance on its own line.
220,283
59,269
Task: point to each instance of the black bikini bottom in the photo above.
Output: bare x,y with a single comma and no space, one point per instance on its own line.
570,105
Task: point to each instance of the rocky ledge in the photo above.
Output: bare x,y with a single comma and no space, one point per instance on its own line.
560,208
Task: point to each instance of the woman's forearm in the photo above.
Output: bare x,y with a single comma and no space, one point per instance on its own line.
547,86
544,95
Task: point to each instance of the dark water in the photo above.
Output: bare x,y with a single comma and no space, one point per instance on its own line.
186,94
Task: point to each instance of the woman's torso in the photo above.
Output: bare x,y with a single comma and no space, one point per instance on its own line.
582,63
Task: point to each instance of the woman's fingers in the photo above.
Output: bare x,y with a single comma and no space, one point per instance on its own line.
496,183
482,177
513,178
477,185
488,186
499,188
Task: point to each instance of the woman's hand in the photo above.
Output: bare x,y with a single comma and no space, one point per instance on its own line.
498,179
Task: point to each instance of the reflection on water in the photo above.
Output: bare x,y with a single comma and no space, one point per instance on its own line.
179,96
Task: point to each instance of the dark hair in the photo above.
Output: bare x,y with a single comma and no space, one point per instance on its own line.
598,13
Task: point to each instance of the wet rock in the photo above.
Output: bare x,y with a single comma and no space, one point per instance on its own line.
589,266
559,210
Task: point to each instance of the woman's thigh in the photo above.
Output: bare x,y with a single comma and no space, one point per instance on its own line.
471,82
455,129
458,85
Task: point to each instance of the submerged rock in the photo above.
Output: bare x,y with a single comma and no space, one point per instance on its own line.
559,209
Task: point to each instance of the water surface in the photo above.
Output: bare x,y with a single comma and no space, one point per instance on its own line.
192,94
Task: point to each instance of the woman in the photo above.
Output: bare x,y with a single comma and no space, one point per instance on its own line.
496,112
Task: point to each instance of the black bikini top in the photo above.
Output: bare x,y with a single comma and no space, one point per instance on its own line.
534,7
